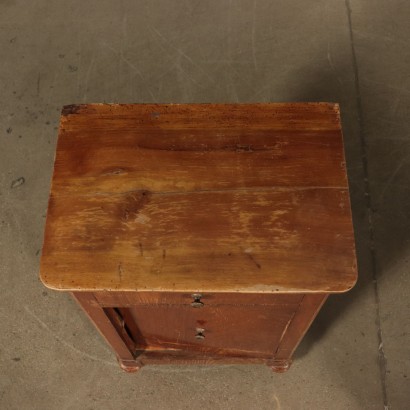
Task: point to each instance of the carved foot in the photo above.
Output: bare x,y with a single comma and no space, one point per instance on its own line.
130,366
280,366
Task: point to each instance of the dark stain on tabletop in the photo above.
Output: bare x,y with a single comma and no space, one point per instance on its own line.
133,203
258,265
71,109
120,271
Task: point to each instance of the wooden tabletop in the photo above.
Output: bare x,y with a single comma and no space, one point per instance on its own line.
200,197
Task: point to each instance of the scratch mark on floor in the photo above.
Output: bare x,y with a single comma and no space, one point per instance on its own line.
331,65
87,77
79,53
38,85
176,65
63,342
183,54
135,69
391,178
253,35
277,402
261,90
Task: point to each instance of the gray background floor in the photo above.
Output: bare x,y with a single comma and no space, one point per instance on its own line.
357,354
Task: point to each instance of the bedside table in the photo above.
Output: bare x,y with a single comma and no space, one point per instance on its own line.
200,233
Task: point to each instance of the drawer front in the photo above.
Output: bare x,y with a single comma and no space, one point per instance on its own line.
243,331
129,299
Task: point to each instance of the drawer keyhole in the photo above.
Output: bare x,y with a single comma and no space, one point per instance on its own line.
197,300
200,333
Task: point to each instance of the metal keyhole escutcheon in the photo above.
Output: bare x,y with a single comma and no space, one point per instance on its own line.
200,333
197,300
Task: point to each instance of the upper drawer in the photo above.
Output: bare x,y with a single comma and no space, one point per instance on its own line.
127,299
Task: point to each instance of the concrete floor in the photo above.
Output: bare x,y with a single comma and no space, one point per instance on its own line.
357,354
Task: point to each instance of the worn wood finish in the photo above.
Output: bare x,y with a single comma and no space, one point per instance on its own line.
200,234
211,198
308,309
227,330
120,344
106,148
131,299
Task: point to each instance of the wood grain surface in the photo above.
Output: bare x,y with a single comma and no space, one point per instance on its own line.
227,330
200,197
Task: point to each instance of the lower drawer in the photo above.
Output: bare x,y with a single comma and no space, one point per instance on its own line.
253,331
